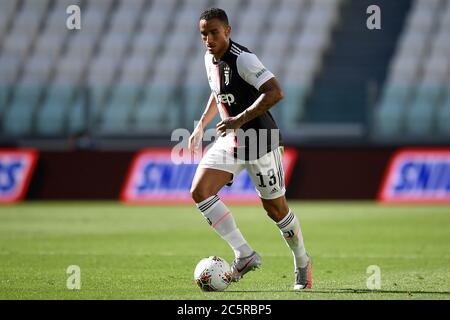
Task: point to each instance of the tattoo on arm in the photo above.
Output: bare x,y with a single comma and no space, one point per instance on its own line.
271,93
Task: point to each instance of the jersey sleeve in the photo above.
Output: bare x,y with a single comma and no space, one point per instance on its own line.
252,70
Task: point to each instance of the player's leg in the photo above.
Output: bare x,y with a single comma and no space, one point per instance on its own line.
268,176
206,184
290,229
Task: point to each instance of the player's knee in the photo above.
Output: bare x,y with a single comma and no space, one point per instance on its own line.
199,194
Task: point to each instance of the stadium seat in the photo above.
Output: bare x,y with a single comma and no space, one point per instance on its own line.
81,47
251,23
38,69
113,46
278,45
69,69
312,42
4,93
123,21
117,111
404,69
29,18
93,21
441,43
133,43
154,25
163,5
321,18
101,5
292,106
18,118
389,113
78,115
420,62
115,119
135,70
168,70
413,44
7,13
443,117
424,107
422,16
179,44
422,112
103,70
302,71
389,119
156,110
17,44
230,6
52,117
97,97
50,44
286,16
146,44
196,96
10,65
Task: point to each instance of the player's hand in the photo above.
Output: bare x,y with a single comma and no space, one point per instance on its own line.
195,140
227,125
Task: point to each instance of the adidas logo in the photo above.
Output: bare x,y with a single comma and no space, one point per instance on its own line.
273,190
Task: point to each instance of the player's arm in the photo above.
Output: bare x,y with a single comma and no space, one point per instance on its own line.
254,73
271,93
209,113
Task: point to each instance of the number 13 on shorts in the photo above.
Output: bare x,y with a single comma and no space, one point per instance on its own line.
267,175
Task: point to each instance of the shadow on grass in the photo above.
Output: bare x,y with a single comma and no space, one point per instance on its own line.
346,291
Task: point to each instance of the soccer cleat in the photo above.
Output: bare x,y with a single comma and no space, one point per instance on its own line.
243,265
303,276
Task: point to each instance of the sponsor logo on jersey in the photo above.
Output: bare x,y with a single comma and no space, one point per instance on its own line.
16,170
227,98
154,178
417,176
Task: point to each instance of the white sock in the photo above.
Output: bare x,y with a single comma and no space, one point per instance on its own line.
292,234
222,221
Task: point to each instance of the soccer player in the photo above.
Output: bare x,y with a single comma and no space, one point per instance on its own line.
242,91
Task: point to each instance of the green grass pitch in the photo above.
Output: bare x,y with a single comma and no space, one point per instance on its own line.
149,252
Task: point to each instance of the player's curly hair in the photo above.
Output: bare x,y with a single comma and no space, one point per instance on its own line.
214,13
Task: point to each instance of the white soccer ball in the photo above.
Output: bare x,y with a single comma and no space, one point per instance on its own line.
212,274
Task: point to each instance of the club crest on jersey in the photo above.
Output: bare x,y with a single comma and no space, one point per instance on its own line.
227,74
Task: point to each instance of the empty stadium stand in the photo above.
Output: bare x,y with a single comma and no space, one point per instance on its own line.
415,97
136,66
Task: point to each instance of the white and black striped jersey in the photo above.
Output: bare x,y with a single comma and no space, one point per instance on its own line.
235,80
